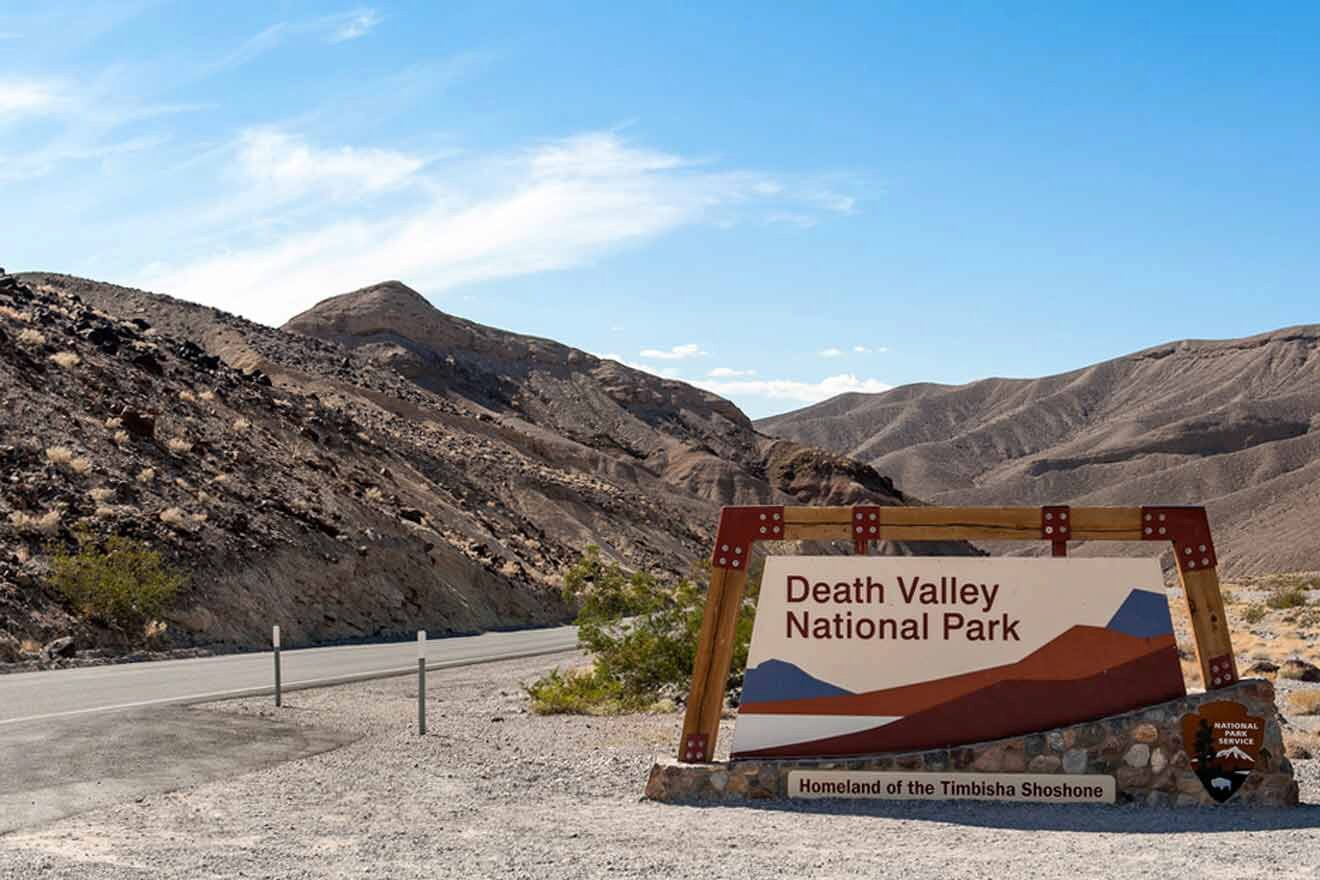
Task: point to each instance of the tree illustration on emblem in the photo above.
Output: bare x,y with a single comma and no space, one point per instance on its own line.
1205,746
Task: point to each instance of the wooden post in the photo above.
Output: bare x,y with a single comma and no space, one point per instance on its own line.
1214,644
710,671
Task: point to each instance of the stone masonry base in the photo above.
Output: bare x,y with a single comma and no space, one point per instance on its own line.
1143,750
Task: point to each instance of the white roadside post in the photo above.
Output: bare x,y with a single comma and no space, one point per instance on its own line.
275,640
421,682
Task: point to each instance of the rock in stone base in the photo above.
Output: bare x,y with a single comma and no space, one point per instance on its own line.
1142,750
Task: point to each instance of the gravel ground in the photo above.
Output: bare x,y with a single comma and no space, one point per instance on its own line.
494,792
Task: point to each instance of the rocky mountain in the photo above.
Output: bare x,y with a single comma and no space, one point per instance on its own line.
374,467
1231,424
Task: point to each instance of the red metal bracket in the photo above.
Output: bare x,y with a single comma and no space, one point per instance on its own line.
694,748
1056,526
740,527
866,527
1189,530
1223,671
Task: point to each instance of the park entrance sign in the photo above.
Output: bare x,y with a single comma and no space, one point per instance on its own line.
867,655
1045,679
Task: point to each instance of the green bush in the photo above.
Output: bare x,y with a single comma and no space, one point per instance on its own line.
1288,596
121,581
1253,614
642,636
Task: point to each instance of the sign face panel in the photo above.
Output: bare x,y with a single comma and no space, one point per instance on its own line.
921,785
1223,743
855,655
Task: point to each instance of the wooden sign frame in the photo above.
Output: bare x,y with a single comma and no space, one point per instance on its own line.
1186,528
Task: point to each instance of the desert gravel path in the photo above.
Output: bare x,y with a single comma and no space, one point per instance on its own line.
495,792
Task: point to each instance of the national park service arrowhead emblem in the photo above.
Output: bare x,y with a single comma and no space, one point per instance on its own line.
1223,743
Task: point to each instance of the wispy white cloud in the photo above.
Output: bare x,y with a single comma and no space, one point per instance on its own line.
729,373
831,352
557,205
866,349
677,353
336,28
791,389
22,97
291,166
352,25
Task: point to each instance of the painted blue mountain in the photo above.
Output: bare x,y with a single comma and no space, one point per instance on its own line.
1143,614
781,680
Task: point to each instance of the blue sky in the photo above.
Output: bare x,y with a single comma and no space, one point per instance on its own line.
778,205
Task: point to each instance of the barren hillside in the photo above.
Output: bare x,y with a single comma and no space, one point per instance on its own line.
375,467
1231,424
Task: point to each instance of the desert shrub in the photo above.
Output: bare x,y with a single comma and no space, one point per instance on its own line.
114,423
174,516
374,494
60,456
241,425
1300,744
1305,702
102,494
207,394
116,579
121,438
1253,613
1229,597
46,524
178,446
31,338
187,396
146,475
1290,595
642,635
66,359
577,692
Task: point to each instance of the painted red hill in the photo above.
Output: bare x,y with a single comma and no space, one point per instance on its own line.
1080,652
1008,708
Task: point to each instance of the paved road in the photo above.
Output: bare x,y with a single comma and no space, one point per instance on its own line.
63,693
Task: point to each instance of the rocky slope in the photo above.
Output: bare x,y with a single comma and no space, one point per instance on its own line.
375,467
1232,424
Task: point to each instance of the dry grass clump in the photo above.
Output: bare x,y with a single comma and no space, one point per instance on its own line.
66,359
121,438
241,424
62,456
187,396
374,494
146,475
178,446
14,314
46,524
1300,744
102,494
30,338
208,395
1305,702
114,423
174,516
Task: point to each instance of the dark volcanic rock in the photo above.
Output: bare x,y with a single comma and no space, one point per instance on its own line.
374,468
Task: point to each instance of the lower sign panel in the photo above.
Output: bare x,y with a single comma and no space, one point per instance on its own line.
1029,787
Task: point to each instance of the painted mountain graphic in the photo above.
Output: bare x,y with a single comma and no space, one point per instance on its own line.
1235,754
1079,652
1087,672
781,680
1144,613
